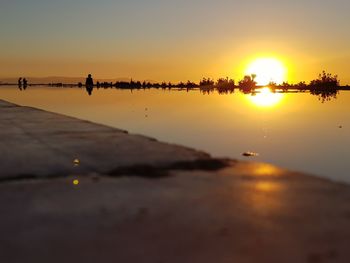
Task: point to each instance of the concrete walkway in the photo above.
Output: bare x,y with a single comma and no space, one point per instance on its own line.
74,191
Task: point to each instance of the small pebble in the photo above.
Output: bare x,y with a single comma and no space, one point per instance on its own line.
76,162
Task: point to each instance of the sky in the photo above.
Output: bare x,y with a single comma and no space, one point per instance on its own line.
167,40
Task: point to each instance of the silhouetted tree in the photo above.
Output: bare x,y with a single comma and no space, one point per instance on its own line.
206,82
326,86
272,85
325,81
248,82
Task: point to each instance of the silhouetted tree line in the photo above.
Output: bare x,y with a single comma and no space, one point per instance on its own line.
324,82
326,86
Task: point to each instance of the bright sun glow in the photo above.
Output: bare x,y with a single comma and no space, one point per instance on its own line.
267,70
265,98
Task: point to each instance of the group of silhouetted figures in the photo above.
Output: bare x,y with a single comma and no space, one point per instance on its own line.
22,82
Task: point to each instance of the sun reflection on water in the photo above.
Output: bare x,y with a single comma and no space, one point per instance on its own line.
265,98
268,187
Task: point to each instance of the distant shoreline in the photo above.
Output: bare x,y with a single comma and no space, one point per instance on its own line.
175,86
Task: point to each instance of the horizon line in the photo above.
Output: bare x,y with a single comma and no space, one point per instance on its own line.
162,81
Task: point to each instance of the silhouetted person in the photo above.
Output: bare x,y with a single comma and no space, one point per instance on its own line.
25,83
89,81
20,83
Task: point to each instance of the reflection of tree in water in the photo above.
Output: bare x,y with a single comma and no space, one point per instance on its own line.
221,90
325,95
226,91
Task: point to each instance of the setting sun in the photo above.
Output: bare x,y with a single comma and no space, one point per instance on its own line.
267,70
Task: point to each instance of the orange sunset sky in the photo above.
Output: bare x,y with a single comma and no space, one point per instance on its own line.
173,40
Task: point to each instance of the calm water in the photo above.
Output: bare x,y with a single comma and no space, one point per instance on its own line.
293,130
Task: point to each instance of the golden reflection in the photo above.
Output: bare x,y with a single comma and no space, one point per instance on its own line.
268,186
266,170
267,70
265,98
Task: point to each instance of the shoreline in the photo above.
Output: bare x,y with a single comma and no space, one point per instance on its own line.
184,86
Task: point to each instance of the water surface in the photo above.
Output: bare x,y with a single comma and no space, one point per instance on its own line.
295,130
